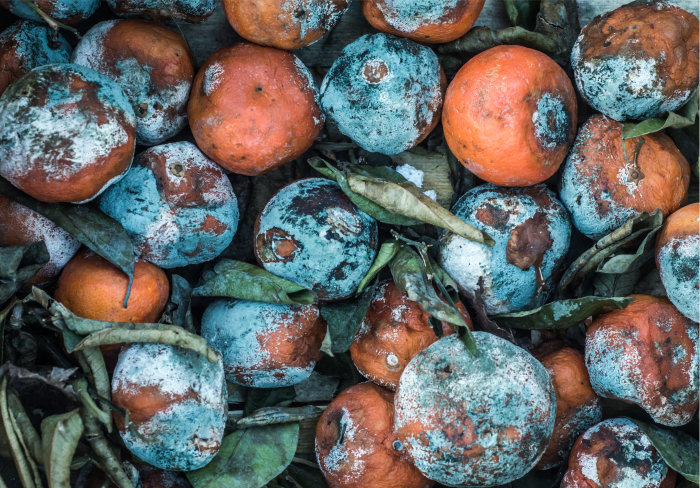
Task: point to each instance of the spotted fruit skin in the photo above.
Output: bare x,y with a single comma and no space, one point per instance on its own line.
66,133
26,45
176,204
177,401
264,345
637,61
646,354
384,92
616,453
603,187
475,421
310,233
532,233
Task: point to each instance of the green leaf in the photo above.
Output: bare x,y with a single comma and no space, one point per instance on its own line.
410,276
522,13
104,235
617,285
624,263
631,230
60,435
678,449
386,253
408,200
279,415
562,314
344,319
258,398
249,458
18,264
685,117
375,211
236,279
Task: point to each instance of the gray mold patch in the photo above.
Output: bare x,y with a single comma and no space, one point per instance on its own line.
59,9
410,15
34,45
678,262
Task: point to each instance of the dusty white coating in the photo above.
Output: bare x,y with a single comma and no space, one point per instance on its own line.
34,46
409,15
585,417
593,215
243,332
480,421
635,450
386,115
196,410
507,288
678,266
412,174
212,78
318,15
616,369
135,78
59,9
173,232
55,136
351,463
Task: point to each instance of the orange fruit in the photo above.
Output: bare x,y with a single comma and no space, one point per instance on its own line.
578,406
510,116
253,108
284,24
602,188
19,225
394,330
677,257
356,446
615,453
93,288
424,21
68,12
646,354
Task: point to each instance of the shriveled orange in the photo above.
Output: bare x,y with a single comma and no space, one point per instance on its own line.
510,116
284,24
356,446
394,330
253,108
578,406
426,22
93,288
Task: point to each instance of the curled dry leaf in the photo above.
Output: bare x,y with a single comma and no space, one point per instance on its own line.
249,458
178,311
685,117
678,449
561,314
522,13
279,415
18,264
625,263
633,229
60,435
344,319
93,228
25,430
25,466
103,450
236,279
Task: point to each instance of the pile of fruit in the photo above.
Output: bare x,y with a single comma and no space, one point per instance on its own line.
456,256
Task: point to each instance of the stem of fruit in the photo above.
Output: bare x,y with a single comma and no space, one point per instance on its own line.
54,24
177,24
103,450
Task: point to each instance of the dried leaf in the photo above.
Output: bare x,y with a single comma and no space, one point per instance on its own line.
180,298
60,435
684,118
678,449
104,235
236,279
279,415
18,453
158,333
624,263
18,264
344,319
26,430
522,13
632,229
561,314
249,458
617,285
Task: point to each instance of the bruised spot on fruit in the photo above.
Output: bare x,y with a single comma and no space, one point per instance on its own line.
616,452
529,241
374,70
493,215
276,245
177,169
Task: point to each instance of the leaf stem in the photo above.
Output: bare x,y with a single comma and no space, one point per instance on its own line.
54,24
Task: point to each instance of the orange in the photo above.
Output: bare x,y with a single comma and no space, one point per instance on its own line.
93,288
284,24
602,187
394,330
616,453
646,354
677,257
424,21
19,225
253,108
510,116
356,446
578,406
